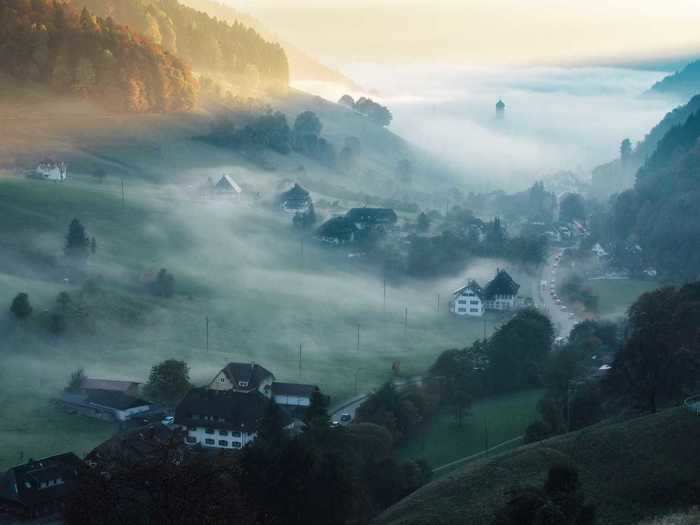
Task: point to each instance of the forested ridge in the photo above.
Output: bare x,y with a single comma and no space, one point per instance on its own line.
50,42
232,51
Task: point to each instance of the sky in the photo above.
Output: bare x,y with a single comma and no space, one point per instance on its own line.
480,31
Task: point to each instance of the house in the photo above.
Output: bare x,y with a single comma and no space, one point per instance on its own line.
38,488
110,405
294,397
51,170
226,419
296,199
372,217
244,378
227,186
468,300
338,230
500,109
501,294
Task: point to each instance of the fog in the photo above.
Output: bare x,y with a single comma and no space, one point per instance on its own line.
556,118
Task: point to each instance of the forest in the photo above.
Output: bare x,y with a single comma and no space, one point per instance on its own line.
232,52
75,53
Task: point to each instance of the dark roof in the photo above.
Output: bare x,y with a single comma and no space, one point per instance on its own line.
21,485
227,184
109,384
296,194
251,373
114,399
500,104
139,444
292,389
224,409
338,227
502,284
473,286
372,215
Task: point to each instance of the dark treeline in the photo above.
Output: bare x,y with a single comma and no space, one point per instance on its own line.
76,53
233,51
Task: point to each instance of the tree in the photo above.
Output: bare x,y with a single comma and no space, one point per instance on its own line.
77,241
75,382
423,223
20,307
625,150
571,208
271,428
307,123
168,382
347,100
660,358
316,416
164,284
63,300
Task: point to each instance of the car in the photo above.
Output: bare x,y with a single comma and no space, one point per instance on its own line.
572,315
168,420
563,308
345,418
558,301
335,424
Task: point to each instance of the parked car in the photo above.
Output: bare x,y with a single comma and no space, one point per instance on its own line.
345,418
168,420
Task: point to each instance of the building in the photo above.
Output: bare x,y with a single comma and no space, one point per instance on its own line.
296,199
38,488
245,378
500,109
338,230
51,170
468,300
132,388
225,419
372,217
226,413
110,405
227,186
500,294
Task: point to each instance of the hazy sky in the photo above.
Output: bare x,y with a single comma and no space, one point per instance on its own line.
504,31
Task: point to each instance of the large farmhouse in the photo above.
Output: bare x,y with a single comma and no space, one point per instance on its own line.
294,200
500,294
105,399
226,413
51,170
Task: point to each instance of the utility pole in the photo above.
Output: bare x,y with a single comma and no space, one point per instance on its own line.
405,321
384,292
486,436
358,337
356,374
206,324
123,197
437,307
299,359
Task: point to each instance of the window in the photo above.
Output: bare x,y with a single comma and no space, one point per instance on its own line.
462,301
209,441
191,439
236,444
243,384
223,443
223,432
43,485
209,430
474,310
473,302
236,434
461,309
222,379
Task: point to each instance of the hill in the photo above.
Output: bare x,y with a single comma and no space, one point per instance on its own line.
302,66
660,212
684,83
51,44
230,51
619,175
630,470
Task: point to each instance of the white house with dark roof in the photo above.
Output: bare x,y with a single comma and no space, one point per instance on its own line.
227,186
244,378
51,170
500,294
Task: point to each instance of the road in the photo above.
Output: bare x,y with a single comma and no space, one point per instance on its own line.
349,406
561,319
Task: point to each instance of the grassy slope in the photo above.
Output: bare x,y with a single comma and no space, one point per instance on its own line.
631,470
616,295
497,419
237,264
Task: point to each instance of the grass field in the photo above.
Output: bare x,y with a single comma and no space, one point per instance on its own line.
616,295
491,421
238,265
631,470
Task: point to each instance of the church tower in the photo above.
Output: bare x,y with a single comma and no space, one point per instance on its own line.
500,109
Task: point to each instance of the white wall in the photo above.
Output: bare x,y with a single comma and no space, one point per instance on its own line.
292,400
235,440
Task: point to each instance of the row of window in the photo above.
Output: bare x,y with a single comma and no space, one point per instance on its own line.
463,301
471,310
209,418
50,483
212,442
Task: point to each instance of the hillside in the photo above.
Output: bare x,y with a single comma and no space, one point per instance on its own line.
684,83
660,212
301,65
631,470
51,44
230,51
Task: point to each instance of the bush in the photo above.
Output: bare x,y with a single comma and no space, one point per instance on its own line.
20,307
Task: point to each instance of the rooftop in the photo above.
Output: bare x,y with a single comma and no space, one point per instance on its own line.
250,373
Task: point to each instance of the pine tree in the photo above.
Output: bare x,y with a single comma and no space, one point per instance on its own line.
20,307
77,241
